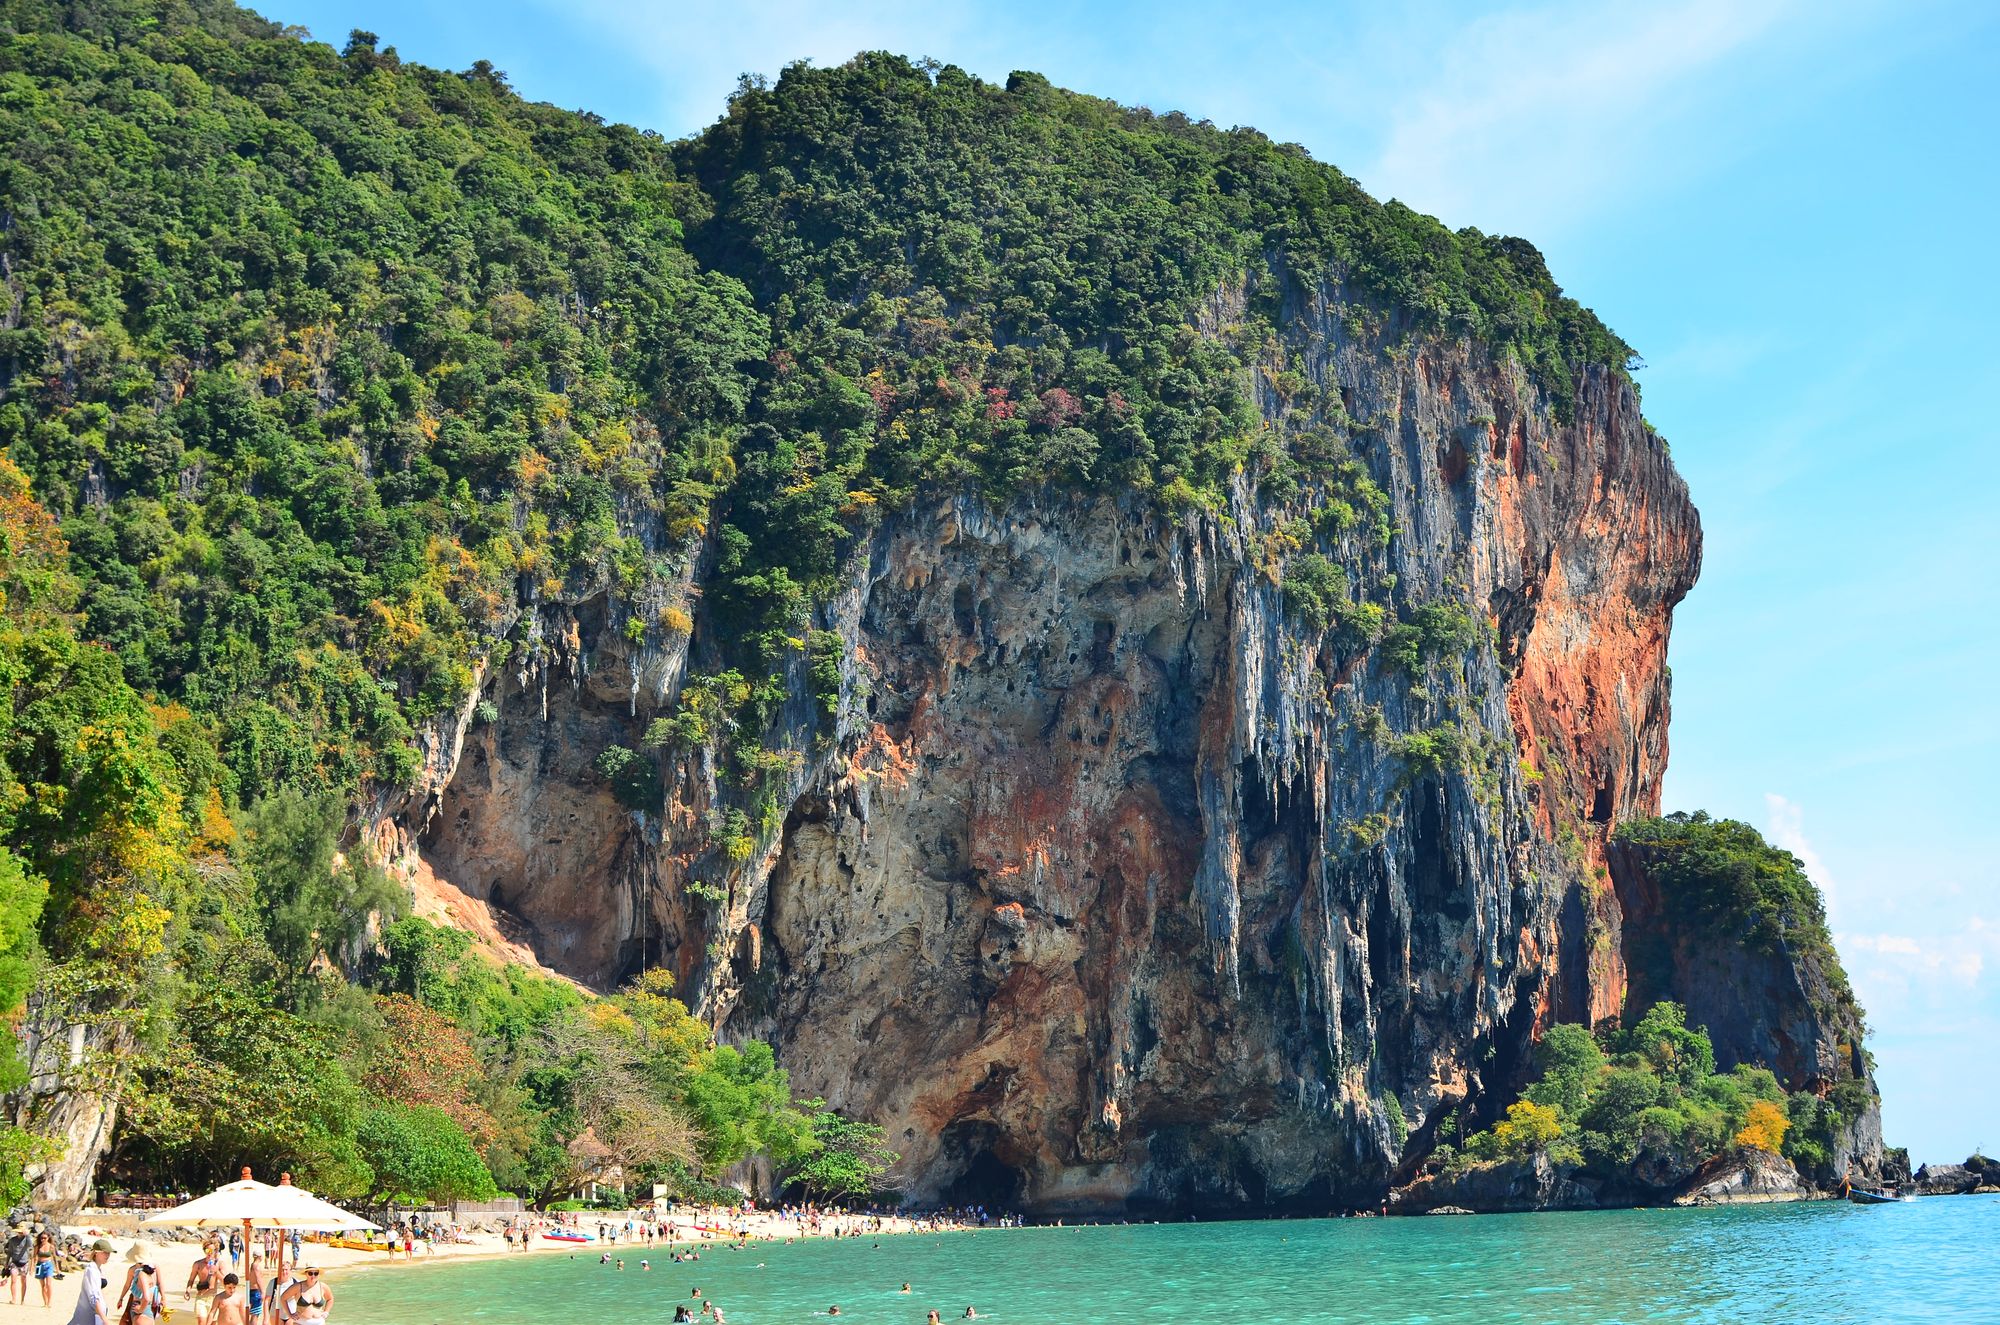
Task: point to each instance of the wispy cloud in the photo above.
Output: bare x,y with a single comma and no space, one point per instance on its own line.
1784,823
698,48
1532,118
1944,962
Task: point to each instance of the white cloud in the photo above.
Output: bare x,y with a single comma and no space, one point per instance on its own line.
1924,980
1953,959
1892,972
1531,117
1784,823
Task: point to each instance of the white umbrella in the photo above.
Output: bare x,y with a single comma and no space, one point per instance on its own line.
254,1204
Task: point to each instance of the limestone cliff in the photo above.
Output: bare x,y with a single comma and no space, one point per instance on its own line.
1111,881
1119,653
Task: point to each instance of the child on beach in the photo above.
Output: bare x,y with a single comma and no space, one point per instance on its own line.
232,1305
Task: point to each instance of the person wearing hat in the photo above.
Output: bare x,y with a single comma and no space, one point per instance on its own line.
309,1302
90,1299
142,1285
14,1263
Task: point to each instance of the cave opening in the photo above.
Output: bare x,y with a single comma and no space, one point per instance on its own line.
983,1177
987,1180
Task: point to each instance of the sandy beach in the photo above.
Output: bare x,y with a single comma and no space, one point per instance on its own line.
174,1259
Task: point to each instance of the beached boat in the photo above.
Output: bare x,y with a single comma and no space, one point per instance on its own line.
358,1244
569,1237
1862,1196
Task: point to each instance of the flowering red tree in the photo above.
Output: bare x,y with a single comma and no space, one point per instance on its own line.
425,1059
1057,408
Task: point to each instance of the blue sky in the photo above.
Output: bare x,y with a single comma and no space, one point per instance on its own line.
1788,207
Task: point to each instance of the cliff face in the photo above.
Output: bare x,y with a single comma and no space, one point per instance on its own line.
1118,883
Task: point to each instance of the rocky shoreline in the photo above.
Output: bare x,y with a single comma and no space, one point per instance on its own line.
1750,1177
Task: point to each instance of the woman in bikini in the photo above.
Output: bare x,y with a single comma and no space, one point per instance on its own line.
310,1302
45,1264
141,1302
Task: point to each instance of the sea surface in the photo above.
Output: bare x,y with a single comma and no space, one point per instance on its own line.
1936,1259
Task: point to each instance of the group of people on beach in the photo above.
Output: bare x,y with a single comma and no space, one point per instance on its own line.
217,1296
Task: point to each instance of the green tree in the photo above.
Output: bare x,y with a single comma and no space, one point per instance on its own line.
847,1158
741,1101
1682,1058
1571,1063
312,905
421,1156
1611,1118
237,1081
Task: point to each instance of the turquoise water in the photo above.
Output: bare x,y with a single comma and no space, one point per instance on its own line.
1930,1260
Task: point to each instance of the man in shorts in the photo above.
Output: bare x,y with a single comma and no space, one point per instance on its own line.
14,1264
204,1280
254,1292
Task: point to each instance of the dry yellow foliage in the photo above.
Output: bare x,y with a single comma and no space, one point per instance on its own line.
1764,1127
1528,1127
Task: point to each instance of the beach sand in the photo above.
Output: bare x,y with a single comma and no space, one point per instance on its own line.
174,1259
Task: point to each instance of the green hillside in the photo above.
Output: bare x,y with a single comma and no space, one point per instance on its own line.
321,371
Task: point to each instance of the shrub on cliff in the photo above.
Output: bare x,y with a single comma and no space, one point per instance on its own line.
634,778
1315,589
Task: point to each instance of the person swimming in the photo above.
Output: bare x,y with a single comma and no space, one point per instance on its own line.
904,1289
